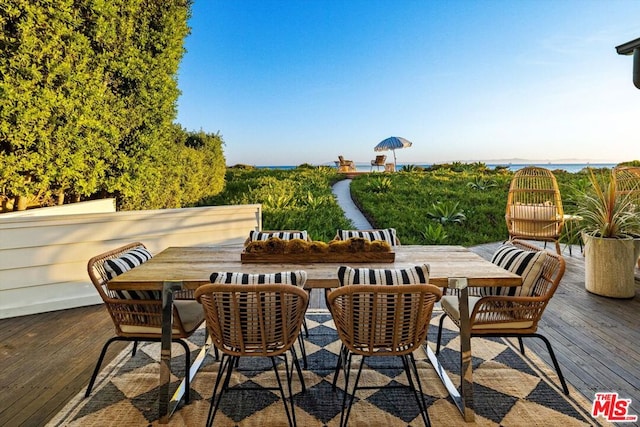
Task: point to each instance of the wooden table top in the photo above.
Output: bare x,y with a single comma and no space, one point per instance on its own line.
194,265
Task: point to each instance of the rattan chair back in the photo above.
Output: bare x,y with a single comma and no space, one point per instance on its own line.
383,320
534,206
253,320
502,311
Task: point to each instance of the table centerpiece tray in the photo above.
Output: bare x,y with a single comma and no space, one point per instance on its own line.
274,250
327,257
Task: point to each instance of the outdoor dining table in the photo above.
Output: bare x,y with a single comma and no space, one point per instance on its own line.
178,268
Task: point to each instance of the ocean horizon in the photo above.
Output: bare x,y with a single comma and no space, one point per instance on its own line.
568,167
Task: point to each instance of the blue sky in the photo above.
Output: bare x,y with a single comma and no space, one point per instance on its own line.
289,82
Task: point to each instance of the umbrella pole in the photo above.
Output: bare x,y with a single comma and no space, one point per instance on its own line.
394,160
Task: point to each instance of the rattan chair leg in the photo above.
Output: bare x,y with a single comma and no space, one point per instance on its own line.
521,345
135,348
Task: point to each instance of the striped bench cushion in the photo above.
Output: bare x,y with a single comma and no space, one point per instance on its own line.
379,276
526,264
386,235
283,235
296,278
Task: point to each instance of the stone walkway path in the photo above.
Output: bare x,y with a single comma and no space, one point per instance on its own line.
342,191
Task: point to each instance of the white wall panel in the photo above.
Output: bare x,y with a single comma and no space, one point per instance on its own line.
43,259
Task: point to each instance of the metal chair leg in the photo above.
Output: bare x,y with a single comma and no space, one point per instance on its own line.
555,362
226,364
96,370
341,355
291,416
303,351
439,338
187,380
422,404
296,364
353,395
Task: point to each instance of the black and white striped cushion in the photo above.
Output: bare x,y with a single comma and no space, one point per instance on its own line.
127,261
527,264
371,276
283,235
386,235
296,278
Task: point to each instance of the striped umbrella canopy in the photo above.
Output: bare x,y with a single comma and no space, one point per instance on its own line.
392,143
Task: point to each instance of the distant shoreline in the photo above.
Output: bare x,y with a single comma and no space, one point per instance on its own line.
568,167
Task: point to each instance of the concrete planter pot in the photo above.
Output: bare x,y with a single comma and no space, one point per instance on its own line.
609,266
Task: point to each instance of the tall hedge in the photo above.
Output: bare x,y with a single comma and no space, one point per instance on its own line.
88,92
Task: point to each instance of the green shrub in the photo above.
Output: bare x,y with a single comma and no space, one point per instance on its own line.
298,199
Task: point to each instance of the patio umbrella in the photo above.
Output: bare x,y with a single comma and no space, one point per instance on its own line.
392,143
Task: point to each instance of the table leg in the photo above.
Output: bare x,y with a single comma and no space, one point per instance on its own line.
466,367
165,349
464,398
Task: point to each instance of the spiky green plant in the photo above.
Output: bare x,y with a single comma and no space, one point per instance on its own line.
446,212
434,234
605,211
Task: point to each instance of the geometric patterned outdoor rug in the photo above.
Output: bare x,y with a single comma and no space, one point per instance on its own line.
509,389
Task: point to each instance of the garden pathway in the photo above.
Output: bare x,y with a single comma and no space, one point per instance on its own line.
342,191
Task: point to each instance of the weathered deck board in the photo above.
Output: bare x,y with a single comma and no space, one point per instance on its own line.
46,359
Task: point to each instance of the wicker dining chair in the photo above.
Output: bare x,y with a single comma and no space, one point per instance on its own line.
382,320
260,320
512,312
137,315
285,235
534,206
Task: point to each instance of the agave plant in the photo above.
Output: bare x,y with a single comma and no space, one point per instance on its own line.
380,185
481,184
434,234
606,211
445,213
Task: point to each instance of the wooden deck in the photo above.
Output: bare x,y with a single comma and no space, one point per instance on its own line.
46,359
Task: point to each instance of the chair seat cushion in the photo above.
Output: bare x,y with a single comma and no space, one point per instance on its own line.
418,274
296,278
535,220
526,264
191,315
450,306
386,235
